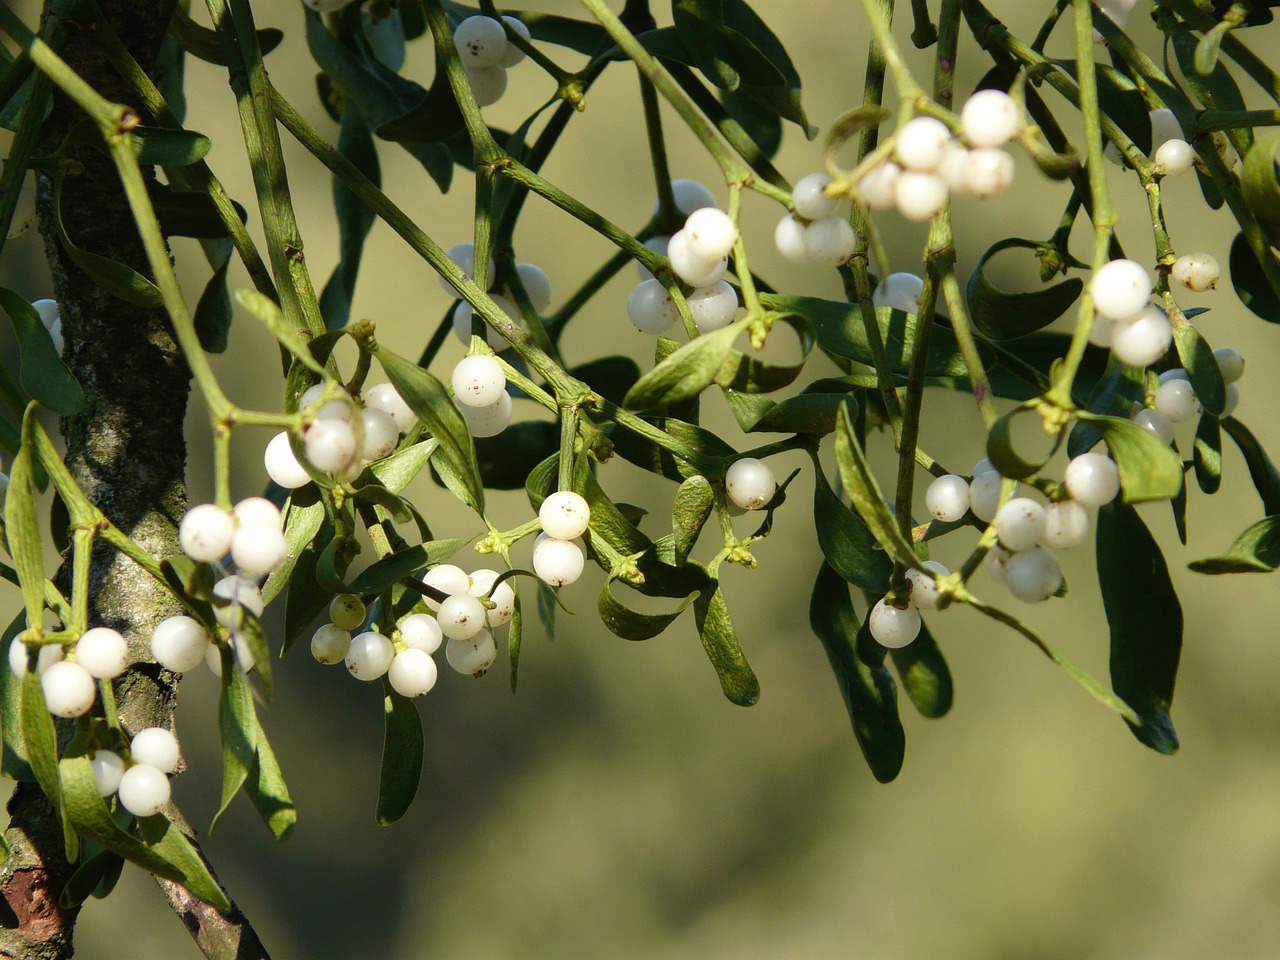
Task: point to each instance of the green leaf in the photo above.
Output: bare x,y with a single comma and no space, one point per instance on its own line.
1197,359
1265,476
1113,395
1145,619
402,747
39,734
15,765
43,374
355,219
205,44
302,523
1260,185
96,868
405,563
22,530
505,460
248,761
290,337
762,125
397,470
864,492
1257,550
870,694
846,542
1149,469
1208,454
161,147
720,642
427,398
748,375
690,509
686,373
213,310
752,39
1120,100
1251,283
628,624
190,213
1001,315
1210,80
117,279
924,675
1000,444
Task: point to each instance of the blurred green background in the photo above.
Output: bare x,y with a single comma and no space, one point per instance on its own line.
618,806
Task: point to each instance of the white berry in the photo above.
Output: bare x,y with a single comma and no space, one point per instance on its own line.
1092,479
1156,422
472,657
240,646
491,420
107,769
988,171
899,291
564,515
711,233
713,307
481,41
651,309
1230,363
461,616
504,597
421,632
1103,331
984,495
1177,400
478,380
1233,399
462,321
103,652
1121,289
557,562
258,550
810,197
205,533
1033,575
50,653
514,54
921,143
749,483
894,626
385,397
69,690
1143,340
240,592
990,118
954,169
412,673
179,643
924,586
996,563
830,241
380,434
947,498
369,656
446,578
789,238
695,270
347,611
877,187
1066,525
1020,523
536,283
1196,271
659,246
919,196
339,408
258,512
1174,157
330,643
331,445
464,255
282,466
156,747
143,790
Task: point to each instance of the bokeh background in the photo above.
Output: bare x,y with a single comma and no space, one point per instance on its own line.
618,806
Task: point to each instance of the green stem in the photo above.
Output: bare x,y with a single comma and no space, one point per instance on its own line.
881,31
962,326
1211,120
668,216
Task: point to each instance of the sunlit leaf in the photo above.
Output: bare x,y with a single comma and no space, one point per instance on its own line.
1257,550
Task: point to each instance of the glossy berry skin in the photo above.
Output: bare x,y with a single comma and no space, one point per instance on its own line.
143,790
651,309
564,515
331,445
810,199
711,233
1121,289
347,611
713,307
1066,525
947,498
464,255
244,656
954,169
107,769
282,466
689,195
924,586
513,53
156,747
984,495
893,627
1230,363
179,643
1173,158
478,380
369,656
919,196
1092,479
1033,576
385,397
988,172
558,562
1156,422
481,41
381,434
877,187
503,598
534,279
1177,400
491,420
1143,340
446,578
694,270
996,563
899,291
258,512
462,322
69,690
659,246
421,632
330,643
749,483
1196,271
258,550
103,652
921,144
472,657
990,118
1233,399
461,616
412,673
488,84
1103,331
789,238
1020,523
830,241
205,533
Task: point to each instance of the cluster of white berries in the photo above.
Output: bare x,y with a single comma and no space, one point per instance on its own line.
1137,332
699,257
929,165
480,387
486,53
533,278
252,533
180,643
342,437
68,675
1175,398
142,786
815,232
558,555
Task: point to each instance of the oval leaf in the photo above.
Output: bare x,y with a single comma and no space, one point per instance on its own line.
1002,315
402,746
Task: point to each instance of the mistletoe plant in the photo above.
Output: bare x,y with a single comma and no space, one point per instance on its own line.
94,97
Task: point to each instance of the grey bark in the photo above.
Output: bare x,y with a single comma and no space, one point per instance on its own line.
127,451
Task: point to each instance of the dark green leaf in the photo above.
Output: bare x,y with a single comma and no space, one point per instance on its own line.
205,44
505,460
689,511
302,523
1000,444
213,310
306,597
1266,479
1250,282
114,277
189,213
1113,395
404,563
22,531
1002,315
1210,80
43,374
870,694
631,625
402,746
610,377
1208,454
39,734
762,125
720,642
846,542
1121,101
161,147
1197,358
15,766
754,43
96,868
1145,619
864,492
248,760
1260,185
396,470
749,375
355,219
924,674
1257,550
